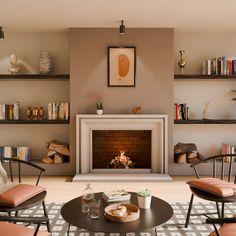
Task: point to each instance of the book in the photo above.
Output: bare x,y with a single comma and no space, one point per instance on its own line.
116,196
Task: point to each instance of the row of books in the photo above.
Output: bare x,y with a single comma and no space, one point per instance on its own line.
181,111
10,111
116,196
219,66
22,152
58,111
228,149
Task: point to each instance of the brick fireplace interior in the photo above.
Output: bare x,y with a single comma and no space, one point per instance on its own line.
107,144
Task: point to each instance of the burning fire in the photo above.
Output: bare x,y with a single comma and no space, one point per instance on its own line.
121,162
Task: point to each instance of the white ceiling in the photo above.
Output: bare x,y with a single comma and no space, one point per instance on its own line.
190,16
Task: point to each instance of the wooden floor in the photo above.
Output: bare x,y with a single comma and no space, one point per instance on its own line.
61,189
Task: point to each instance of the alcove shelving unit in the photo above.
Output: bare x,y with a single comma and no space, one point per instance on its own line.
36,128
203,77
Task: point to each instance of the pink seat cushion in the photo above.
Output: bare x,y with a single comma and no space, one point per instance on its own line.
226,230
214,186
19,193
9,229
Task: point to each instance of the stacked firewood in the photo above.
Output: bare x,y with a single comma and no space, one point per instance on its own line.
58,152
186,153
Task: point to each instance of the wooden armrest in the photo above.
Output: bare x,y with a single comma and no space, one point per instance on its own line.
34,220
221,220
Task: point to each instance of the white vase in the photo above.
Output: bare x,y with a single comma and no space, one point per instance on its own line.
144,202
99,111
45,63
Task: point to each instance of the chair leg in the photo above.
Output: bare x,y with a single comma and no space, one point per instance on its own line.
46,215
189,211
218,209
223,210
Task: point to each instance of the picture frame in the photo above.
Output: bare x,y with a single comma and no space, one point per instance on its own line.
121,66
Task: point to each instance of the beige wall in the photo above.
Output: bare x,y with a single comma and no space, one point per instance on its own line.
154,73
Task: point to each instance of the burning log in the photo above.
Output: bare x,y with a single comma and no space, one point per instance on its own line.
121,162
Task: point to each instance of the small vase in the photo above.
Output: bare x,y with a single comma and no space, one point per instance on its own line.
182,62
45,63
99,111
144,202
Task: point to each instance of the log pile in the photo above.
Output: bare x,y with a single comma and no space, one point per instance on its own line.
58,152
186,153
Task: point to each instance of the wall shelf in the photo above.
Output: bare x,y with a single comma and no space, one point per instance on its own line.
34,121
34,77
203,77
200,121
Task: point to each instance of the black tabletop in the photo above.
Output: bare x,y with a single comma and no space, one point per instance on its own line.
159,212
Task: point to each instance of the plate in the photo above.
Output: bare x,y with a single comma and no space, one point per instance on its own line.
122,213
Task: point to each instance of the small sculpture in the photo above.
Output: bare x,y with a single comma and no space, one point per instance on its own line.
206,111
136,110
14,67
182,62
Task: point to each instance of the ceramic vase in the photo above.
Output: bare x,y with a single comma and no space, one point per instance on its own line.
99,111
182,62
45,63
144,202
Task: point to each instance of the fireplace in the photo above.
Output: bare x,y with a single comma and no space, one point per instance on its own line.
121,149
100,139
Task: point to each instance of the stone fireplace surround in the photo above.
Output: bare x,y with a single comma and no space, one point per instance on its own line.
85,124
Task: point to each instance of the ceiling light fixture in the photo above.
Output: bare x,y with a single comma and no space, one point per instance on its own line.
1,33
122,27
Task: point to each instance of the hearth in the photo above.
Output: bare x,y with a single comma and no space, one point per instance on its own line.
101,139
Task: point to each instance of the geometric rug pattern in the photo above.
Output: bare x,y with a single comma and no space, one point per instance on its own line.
173,227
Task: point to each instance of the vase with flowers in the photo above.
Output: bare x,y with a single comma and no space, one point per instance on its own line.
97,98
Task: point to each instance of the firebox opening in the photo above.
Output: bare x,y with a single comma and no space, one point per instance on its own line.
121,149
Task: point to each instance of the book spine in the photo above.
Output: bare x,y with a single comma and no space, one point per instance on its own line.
67,110
6,111
16,111
50,111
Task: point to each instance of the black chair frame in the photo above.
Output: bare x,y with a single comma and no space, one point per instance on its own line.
226,172
36,200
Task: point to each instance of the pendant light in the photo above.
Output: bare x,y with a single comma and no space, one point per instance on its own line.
1,33
122,27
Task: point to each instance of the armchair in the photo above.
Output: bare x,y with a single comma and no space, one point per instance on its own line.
228,227
220,188
15,196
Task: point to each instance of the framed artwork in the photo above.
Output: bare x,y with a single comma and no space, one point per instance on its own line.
121,66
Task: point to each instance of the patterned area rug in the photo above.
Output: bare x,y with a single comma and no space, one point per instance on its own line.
174,227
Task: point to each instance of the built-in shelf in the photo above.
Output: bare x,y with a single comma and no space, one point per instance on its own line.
34,77
205,121
34,122
198,76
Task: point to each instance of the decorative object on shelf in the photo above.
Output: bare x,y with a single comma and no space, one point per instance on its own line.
58,111
45,63
41,112
144,199
1,33
121,66
186,153
136,110
97,98
14,66
58,152
10,111
182,62
206,112
181,111
35,113
29,112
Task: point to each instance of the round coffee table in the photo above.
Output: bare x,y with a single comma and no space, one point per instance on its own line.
159,212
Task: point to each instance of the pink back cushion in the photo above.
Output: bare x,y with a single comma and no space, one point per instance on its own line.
19,193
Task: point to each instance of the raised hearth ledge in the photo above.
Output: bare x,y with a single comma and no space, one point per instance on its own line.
122,177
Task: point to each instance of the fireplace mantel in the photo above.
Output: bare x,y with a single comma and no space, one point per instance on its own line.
85,124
